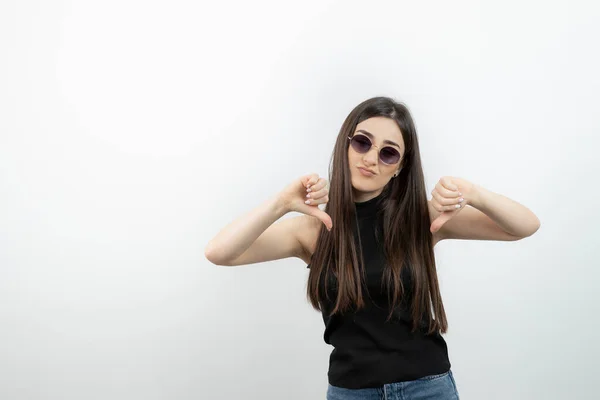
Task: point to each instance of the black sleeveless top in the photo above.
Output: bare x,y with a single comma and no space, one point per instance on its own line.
368,351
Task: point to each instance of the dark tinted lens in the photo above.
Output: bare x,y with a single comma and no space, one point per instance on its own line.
389,155
361,143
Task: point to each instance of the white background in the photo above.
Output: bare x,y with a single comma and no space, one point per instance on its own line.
131,132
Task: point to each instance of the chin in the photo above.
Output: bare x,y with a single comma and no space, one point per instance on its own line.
362,186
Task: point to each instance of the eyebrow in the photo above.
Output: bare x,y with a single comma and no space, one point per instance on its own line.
369,134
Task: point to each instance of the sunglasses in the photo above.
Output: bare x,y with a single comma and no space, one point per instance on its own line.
361,143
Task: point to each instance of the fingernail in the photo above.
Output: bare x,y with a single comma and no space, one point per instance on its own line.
307,202
458,206
461,199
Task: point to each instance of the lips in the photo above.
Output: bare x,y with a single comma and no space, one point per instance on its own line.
366,172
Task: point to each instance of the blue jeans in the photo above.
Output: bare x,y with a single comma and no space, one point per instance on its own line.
433,387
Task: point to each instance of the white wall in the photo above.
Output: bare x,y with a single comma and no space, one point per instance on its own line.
131,132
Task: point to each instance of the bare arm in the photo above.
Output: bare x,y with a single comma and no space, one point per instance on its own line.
491,216
256,237
253,237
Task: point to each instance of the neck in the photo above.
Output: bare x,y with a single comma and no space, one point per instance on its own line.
361,197
368,208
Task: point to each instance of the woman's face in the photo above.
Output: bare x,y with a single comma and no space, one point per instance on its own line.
380,131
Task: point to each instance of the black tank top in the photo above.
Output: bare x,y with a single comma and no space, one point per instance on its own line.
368,351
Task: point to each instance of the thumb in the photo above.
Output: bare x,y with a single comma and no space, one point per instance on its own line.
321,215
441,220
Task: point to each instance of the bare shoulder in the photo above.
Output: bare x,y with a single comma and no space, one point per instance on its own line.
307,235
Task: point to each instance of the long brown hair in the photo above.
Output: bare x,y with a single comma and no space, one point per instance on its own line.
408,242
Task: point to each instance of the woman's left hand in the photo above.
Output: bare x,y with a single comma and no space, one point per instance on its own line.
450,195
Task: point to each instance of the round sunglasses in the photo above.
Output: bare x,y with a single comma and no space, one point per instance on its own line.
361,143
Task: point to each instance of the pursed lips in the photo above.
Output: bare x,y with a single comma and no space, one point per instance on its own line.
366,171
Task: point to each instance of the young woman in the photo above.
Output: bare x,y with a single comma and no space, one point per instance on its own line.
370,253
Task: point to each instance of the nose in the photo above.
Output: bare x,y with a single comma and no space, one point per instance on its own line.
371,156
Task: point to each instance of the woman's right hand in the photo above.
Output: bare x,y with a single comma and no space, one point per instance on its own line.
294,197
